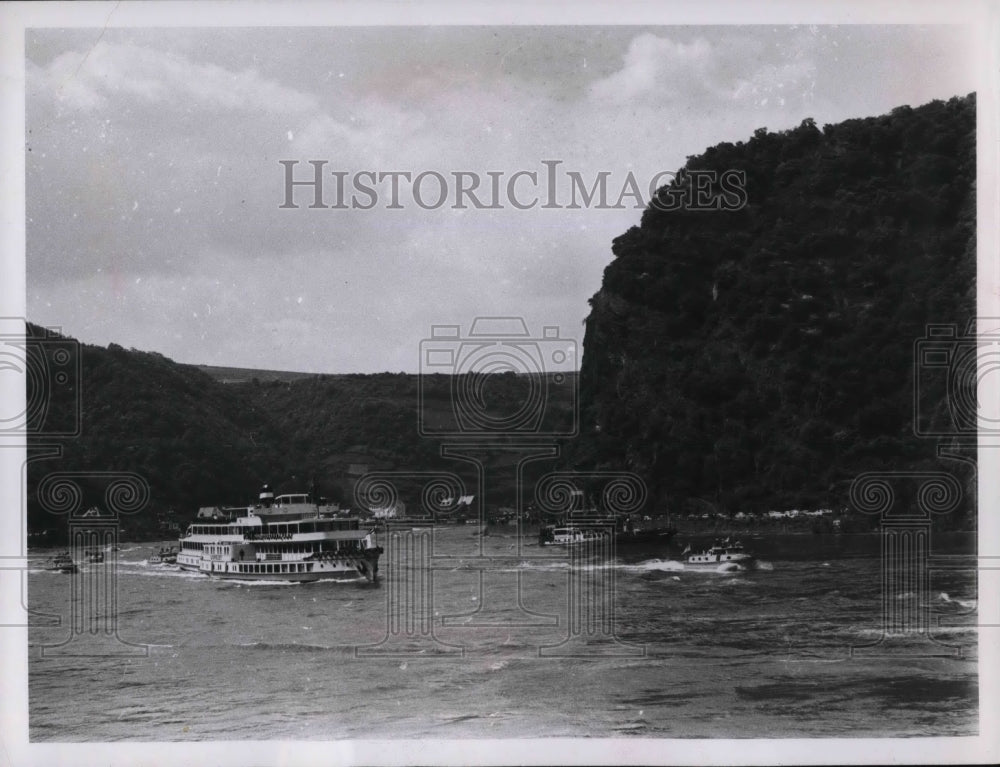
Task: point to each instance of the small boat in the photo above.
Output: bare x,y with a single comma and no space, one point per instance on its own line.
578,529
570,535
63,563
722,556
165,556
95,556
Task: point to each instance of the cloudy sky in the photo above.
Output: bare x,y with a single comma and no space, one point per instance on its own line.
154,185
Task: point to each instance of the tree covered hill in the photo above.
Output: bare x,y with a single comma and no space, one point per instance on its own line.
196,441
761,358
207,436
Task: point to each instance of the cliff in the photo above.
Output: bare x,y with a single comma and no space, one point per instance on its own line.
760,358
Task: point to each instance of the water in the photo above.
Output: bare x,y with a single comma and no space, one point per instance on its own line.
763,653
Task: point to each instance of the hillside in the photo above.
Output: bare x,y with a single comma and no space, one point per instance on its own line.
205,438
761,358
196,441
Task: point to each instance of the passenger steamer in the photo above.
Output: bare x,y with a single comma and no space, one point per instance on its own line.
288,538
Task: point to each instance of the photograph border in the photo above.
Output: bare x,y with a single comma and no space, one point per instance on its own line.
15,748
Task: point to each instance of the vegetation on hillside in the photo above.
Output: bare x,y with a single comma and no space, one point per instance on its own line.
200,441
761,358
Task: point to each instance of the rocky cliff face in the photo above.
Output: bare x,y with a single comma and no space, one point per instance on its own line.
762,357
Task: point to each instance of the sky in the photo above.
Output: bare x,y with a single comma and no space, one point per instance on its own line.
155,185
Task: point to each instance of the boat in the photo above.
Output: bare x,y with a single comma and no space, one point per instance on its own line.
165,556
63,563
286,538
577,529
570,534
95,556
721,556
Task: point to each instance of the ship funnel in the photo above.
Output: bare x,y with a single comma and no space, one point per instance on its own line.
266,496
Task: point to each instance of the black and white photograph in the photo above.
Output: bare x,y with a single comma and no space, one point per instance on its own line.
465,384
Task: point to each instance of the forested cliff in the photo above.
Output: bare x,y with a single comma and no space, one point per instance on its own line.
761,358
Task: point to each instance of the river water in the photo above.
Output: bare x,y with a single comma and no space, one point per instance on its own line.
512,642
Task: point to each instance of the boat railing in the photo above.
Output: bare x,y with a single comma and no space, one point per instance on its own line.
268,536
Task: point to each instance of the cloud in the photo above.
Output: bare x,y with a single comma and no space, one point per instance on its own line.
85,80
662,69
700,74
